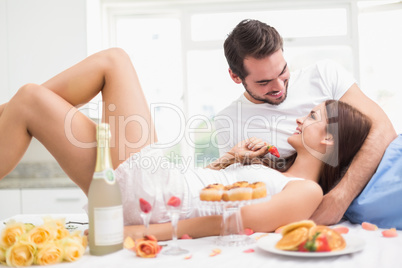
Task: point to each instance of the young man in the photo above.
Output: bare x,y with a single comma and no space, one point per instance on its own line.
274,98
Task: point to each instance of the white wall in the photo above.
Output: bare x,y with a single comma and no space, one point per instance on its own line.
38,39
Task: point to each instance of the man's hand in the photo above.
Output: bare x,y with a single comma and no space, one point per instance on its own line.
249,149
331,209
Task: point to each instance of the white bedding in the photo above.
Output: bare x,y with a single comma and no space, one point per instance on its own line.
378,252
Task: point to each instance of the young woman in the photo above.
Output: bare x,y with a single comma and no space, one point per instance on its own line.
48,112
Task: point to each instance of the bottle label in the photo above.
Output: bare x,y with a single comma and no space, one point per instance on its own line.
109,226
107,175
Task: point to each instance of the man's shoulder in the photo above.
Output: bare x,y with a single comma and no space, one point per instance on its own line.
233,106
317,66
325,66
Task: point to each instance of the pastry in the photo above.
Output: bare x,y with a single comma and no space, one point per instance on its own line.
212,192
241,184
306,236
293,239
305,223
335,239
237,193
259,190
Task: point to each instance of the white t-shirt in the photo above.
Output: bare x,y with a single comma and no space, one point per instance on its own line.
307,88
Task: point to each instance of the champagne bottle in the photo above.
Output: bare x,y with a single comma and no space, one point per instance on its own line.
106,230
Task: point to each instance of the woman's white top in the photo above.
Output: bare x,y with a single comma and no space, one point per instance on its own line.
149,168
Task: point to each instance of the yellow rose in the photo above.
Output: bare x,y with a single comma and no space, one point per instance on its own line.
73,249
83,239
20,254
40,235
58,225
11,233
51,253
28,227
147,247
2,255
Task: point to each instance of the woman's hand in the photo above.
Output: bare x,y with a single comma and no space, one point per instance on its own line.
245,152
248,150
134,231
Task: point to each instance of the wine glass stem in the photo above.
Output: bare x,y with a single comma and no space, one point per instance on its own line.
146,218
175,220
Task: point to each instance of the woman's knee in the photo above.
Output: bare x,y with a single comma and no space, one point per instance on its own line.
25,100
28,93
114,57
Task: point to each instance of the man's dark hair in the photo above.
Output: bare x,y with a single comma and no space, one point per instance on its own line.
250,38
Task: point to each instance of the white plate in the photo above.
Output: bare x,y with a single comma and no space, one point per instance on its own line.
353,244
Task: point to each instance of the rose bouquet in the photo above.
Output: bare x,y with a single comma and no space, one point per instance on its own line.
50,243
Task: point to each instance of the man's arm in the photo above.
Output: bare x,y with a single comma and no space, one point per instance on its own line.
336,202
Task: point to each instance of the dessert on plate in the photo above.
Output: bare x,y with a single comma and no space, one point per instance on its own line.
306,236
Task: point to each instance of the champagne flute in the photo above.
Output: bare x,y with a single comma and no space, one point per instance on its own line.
145,199
173,193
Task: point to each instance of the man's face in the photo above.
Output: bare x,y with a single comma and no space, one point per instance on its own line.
267,79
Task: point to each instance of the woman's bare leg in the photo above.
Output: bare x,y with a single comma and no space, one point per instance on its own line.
110,72
125,107
39,112
2,108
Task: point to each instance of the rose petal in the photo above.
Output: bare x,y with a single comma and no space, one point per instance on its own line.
250,250
369,226
150,237
260,236
279,230
186,236
215,252
129,243
389,233
341,229
248,231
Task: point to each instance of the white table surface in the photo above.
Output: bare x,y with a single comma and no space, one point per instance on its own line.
378,252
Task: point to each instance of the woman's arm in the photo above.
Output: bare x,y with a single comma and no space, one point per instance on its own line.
297,201
222,162
194,227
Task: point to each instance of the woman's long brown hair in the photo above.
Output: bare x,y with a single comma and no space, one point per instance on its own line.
349,128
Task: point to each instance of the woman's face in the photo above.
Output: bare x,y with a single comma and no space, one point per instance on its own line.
311,132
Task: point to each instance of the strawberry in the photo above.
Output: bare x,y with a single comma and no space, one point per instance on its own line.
302,247
318,243
273,150
145,206
174,201
322,244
